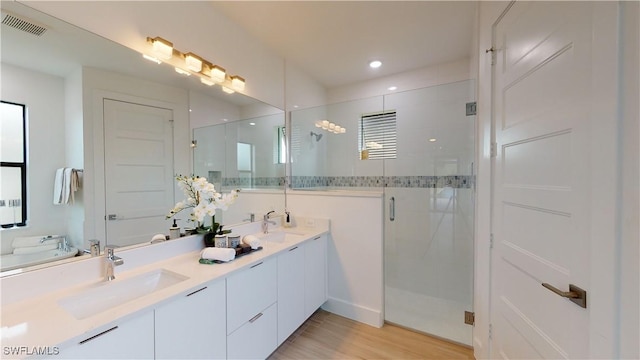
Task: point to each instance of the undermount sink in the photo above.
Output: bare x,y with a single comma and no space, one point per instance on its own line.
278,235
106,295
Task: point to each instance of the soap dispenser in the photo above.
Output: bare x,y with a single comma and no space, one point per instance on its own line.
174,230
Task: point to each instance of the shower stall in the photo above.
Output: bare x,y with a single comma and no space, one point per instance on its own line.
417,147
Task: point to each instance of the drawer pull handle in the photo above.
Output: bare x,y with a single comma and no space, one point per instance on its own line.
293,248
255,317
95,336
197,291
316,238
258,264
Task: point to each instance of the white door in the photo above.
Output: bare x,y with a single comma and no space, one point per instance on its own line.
139,182
543,96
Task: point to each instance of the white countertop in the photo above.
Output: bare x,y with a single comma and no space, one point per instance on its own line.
39,321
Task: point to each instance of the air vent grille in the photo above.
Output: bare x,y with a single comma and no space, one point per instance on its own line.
20,24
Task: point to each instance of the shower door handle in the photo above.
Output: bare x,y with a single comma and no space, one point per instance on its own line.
392,209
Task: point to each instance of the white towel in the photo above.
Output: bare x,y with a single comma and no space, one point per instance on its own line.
34,249
252,241
221,254
66,183
58,185
34,241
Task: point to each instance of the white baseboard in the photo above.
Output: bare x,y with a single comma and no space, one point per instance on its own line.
354,312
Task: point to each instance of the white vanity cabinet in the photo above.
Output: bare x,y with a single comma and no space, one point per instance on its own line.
193,326
130,339
315,274
252,311
291,303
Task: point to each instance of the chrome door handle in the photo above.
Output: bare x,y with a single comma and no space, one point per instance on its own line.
112,217
392,209
575,294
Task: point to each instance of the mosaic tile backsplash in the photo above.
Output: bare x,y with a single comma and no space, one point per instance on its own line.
308,182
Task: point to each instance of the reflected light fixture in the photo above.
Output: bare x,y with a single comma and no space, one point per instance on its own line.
375,64
151,58
162,48
207,81
392,88
227,90
237,83
193,62
182,72
432,140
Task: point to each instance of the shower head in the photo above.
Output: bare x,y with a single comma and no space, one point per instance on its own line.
318,136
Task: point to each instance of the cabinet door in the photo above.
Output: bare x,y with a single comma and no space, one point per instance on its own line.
193,326
315,274
290,292
249,292
256,339
131,339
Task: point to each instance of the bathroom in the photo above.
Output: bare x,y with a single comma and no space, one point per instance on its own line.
358,295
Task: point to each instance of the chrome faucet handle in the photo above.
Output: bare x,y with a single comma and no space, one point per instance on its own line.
110,249
94,247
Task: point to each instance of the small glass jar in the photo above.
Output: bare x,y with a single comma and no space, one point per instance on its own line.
221,241
234,241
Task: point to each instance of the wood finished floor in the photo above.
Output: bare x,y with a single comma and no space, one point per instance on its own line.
328,336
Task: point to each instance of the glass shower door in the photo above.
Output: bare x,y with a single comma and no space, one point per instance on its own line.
428,242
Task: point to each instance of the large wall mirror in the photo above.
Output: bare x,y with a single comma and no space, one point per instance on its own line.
78,89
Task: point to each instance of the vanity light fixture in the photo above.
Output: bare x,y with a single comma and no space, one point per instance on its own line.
193,62
182,72
237,83
163,48
218,74
151,58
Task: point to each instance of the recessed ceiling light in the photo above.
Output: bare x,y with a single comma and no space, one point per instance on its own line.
252,123
225,119
432,140
392,88
375,64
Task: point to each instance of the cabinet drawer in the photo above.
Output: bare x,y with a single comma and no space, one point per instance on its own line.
249,292
255,339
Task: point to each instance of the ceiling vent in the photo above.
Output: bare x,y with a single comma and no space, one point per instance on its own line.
22,24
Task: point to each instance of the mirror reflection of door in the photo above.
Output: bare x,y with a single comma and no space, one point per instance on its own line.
246,158
139,186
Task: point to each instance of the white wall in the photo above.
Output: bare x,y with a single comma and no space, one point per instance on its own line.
630,221
354,251
44,96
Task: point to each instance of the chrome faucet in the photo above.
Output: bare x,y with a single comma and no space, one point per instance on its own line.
94,248
266,222
112,261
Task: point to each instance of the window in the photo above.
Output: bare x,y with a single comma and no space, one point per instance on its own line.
13,165
377,138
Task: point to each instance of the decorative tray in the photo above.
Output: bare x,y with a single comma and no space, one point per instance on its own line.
211,262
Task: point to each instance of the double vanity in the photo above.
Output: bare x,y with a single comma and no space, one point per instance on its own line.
164,304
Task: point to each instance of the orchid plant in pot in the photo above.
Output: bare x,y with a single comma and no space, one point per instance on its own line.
203,200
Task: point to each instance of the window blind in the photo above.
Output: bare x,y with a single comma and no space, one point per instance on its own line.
378,135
